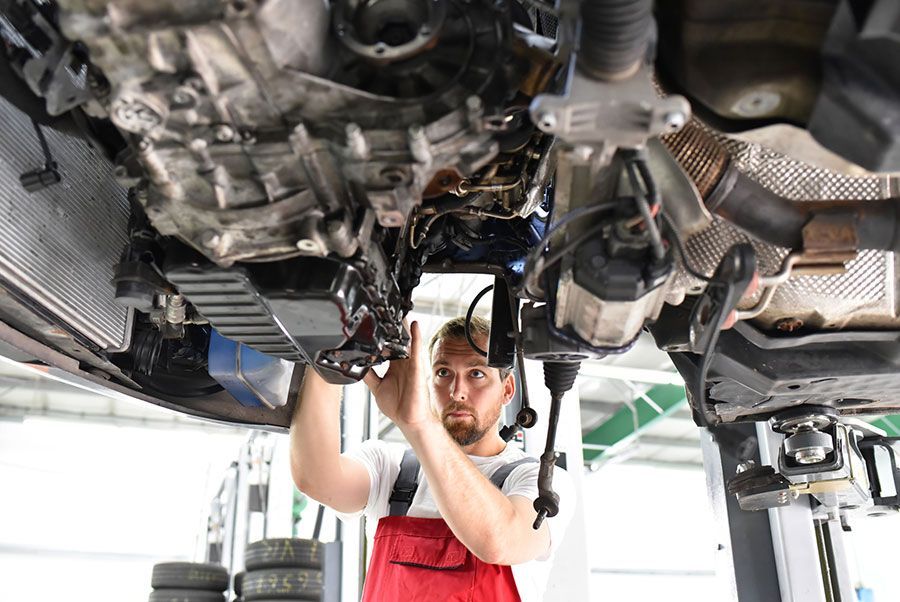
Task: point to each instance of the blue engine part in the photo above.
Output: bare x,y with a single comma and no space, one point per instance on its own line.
255,379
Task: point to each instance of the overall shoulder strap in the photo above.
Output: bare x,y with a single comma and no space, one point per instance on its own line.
500,475
406,484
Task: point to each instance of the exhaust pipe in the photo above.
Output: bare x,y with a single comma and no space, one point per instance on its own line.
733,195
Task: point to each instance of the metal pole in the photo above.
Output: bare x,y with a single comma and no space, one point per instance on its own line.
745,561
793,535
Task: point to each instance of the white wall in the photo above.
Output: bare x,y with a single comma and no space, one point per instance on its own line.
658,519
87,509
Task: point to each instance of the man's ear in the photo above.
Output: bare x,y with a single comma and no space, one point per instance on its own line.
509,388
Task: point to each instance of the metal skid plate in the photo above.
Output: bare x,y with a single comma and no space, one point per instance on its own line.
58,245
852,375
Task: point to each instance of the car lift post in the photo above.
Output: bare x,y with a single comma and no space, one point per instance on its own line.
784,553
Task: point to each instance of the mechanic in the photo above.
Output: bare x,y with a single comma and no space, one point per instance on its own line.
455,523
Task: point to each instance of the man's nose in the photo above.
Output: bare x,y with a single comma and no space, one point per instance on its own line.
458,390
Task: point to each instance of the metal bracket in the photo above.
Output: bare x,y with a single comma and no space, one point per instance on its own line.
614,114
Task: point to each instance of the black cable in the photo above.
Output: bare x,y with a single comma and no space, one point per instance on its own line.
45,147
555,228
570,246
640,197
469,313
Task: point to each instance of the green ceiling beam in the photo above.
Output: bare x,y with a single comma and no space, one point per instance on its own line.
627,424
889,424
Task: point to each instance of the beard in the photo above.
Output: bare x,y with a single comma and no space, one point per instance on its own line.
467,431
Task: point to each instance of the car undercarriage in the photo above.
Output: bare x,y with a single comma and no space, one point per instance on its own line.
229,191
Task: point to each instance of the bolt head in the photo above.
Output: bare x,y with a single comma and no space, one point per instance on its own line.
224,133
812,455
789,324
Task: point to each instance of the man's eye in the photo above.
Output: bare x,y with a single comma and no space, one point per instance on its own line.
477,374
442,372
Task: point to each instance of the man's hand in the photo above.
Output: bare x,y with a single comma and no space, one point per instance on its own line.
402,393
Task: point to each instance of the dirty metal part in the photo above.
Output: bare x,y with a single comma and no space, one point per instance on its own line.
342,317
444,181
247,147
388,30
609,115
700,155
55,69
830,239
537,187
788,324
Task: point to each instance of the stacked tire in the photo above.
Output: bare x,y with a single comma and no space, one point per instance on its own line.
283,570
188,582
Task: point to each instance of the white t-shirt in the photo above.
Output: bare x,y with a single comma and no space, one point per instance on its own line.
382,461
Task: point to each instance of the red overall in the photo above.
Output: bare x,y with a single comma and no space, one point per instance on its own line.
420,560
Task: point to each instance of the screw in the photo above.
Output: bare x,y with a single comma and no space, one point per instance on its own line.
789,324
812,455
783,497
224,133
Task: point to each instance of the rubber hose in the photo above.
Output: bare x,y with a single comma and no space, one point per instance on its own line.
615,35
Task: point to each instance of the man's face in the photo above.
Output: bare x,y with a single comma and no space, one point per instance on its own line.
468,395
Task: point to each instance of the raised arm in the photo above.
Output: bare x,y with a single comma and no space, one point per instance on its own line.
317,466
494,527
